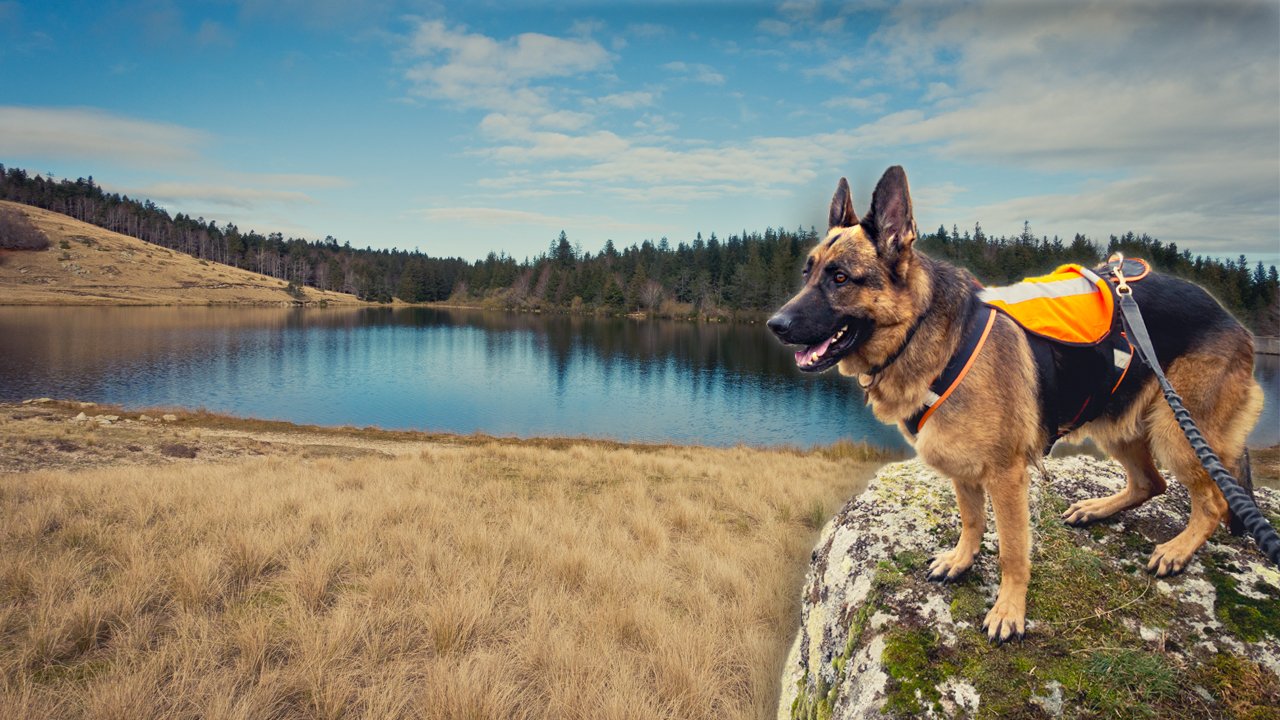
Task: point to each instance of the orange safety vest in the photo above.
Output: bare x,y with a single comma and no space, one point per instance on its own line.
1069,305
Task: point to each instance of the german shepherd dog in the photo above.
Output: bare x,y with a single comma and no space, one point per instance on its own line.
892,317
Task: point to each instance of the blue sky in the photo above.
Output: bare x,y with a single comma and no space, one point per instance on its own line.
463,128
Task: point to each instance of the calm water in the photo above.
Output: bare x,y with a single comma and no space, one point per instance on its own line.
457,371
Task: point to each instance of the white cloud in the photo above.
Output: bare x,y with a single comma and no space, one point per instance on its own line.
697,72
565,120
475,71
858,104
487,217
517,141
803,18
773,26
841,69
800,9
317,182
88,133
1168,115
655,171
628,100
647,30
238,196
586,27
492,216
652,124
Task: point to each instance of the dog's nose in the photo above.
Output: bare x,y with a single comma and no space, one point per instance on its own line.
780,325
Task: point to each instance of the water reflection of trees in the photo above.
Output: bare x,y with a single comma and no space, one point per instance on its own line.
704,354
744,349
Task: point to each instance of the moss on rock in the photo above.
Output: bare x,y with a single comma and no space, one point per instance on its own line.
911,659
1251,616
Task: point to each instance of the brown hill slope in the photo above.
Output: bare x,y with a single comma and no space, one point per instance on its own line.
86,265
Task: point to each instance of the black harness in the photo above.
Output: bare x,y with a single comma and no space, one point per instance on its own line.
977,328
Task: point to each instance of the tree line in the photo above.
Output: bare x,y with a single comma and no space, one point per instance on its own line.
745,274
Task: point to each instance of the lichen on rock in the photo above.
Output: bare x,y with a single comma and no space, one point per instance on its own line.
1104,638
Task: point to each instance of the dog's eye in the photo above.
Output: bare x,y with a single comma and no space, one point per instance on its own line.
840,278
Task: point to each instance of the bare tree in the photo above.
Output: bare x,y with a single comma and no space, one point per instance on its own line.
651,294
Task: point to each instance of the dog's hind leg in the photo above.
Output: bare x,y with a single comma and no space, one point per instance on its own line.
972,499
1208,508
1243,472
1143,482
1224,400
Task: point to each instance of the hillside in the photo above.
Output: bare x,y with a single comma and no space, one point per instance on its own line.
87,265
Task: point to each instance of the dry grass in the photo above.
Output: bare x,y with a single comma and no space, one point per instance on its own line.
496,580
87,265
1266,466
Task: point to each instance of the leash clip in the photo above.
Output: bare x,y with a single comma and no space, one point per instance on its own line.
1122,287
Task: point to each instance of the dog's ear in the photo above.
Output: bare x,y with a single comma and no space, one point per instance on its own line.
842,214
890,223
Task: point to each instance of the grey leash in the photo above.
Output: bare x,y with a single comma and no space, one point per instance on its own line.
1242,506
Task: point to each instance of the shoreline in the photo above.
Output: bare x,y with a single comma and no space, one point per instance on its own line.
1268,346
141,422
1265,460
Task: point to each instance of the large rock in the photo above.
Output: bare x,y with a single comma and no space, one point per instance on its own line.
1104,638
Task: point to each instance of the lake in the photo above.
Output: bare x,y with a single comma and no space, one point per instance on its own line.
457,371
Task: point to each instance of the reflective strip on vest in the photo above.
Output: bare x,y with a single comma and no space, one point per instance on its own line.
1071,304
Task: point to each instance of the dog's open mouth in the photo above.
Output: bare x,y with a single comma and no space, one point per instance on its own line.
816,358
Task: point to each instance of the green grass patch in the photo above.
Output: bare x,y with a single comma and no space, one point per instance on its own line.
1127,683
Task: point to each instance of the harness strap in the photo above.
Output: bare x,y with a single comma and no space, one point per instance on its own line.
979,328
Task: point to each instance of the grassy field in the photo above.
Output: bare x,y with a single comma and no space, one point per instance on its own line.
207,567
86,265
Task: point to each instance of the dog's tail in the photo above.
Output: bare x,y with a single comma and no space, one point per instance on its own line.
1244,476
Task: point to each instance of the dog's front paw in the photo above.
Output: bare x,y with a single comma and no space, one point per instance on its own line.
950,565
1006,619
1170,558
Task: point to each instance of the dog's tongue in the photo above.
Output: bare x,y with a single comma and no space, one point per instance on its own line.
810,355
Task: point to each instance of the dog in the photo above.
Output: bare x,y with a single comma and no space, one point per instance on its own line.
877,309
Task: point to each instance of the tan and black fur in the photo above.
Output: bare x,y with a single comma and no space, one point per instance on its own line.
897,316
